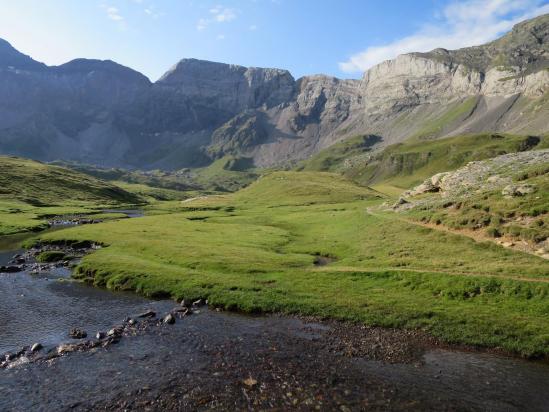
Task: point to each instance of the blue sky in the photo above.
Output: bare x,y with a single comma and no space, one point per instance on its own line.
337,37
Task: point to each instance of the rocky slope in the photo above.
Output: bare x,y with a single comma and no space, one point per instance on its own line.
102,113
504,198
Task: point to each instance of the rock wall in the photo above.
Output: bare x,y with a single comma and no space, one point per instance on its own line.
103,113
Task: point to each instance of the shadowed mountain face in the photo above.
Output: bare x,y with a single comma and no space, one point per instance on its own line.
102,113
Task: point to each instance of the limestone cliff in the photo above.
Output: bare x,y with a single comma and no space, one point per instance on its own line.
103,113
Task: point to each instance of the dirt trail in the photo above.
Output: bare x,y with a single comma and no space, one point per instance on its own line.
447,272
426,271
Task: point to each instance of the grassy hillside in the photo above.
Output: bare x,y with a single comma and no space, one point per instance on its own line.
152,194
40,184
488,204
305,188
227,174
332,159
305,243
407,164
30,191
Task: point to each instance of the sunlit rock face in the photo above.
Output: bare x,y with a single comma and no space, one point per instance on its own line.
102,113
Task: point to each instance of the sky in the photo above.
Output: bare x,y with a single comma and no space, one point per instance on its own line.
336,37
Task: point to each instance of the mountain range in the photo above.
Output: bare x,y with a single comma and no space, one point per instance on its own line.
105,114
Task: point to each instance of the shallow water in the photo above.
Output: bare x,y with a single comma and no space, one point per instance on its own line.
206,356
43,308
131,213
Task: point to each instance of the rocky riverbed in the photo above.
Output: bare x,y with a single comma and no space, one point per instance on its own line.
222,361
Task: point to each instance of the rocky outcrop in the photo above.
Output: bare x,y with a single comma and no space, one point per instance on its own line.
102,113
486,175
228,87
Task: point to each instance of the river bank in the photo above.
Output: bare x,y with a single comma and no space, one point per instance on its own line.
210,360
223,361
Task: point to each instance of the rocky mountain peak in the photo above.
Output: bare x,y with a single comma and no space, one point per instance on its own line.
229,86
12,59
89,67
524,49
101,112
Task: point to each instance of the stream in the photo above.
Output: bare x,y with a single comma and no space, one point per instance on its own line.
225,361
43,308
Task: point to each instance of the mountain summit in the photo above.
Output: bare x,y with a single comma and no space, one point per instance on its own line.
103,113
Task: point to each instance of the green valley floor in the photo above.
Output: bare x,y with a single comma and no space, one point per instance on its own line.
305,243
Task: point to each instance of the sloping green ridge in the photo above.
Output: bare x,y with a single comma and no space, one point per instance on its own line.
40,184
409,163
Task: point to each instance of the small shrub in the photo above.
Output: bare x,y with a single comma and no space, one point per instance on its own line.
50,256
537,211
493,232
496,220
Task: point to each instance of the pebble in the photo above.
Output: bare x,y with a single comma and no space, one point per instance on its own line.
77,333
147,314
36,347
169,319
114,332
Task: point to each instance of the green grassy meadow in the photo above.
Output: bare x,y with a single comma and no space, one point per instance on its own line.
261,249
310,242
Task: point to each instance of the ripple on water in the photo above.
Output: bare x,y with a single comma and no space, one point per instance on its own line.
44,307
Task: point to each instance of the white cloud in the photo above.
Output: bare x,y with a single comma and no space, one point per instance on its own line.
253,27
218,14
220,37
202,24
113,14
461,24
223,14
151,11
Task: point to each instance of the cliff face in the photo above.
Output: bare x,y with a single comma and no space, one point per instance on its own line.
228,87
104,113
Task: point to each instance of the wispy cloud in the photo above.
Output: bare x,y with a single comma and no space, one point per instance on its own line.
202,24
460,24
253,27
113,13
223,14
220,37
152,11
217,14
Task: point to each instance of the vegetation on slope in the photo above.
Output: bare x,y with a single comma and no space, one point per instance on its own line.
305,243
452,117
31,191
407,164
226,174
40,184
332,159
505,200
